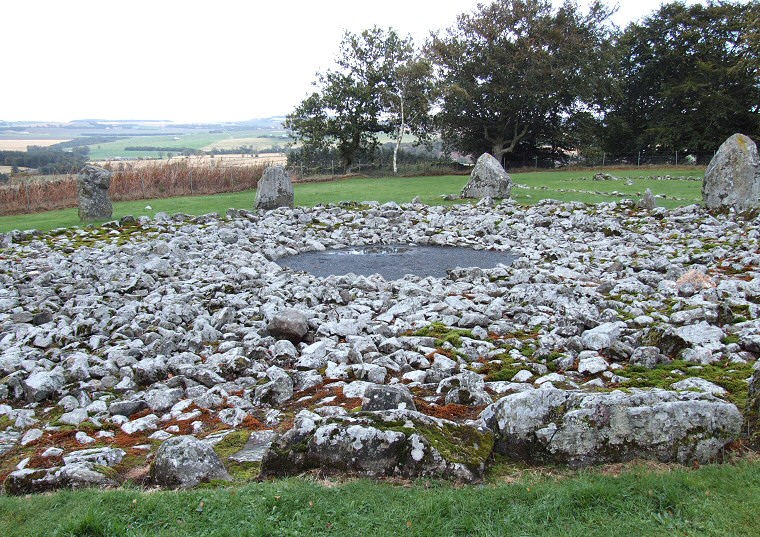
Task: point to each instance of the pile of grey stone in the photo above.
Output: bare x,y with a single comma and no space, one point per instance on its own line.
182,329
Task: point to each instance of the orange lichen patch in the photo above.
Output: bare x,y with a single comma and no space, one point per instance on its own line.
126,441
252,424
449,412
38,461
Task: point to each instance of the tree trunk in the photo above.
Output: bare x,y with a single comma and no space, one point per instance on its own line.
399,136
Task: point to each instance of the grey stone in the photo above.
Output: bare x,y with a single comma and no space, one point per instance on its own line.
580,429
185,462
73,476
256,447
488,179
400,443
43,385
382,397
93,183
288,324
648,201
732,179
274,189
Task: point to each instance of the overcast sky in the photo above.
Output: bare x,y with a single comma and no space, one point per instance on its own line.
184,60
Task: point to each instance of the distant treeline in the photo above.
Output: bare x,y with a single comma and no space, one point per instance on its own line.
46,161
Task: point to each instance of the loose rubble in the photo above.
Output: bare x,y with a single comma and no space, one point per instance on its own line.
130,335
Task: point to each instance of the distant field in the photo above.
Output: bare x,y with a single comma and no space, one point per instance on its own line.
21,145
257,138
204,160
561,185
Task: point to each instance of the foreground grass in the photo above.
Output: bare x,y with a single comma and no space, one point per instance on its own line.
720,500
561,185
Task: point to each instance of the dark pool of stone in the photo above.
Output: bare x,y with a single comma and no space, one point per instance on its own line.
394,261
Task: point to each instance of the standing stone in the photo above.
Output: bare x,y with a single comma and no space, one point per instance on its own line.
274,189
732,178
648,201
488,179
92,193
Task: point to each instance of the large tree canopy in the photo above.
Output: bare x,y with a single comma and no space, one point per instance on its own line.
519,70
689,78
379,86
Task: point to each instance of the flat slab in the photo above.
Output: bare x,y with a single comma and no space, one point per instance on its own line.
394,261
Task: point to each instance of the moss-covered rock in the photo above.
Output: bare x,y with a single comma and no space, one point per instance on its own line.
392,443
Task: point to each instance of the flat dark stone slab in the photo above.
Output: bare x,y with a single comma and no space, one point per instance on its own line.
394,261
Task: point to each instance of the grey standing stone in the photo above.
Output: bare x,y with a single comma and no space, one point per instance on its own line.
647,201
732,179
274,190
184,462
93,183
488,179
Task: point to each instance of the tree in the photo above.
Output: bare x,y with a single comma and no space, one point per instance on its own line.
373,90
689,78
515,71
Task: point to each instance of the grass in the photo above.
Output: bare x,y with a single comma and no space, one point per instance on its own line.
542,184
719,500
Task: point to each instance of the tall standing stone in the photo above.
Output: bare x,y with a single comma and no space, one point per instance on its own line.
488,179
274,190
732,179
93,183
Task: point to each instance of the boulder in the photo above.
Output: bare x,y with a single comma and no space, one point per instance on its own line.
184,462
288,324
647,201
93,183
392,443
274,189
71,476
732,179
488,179
581,429
382,397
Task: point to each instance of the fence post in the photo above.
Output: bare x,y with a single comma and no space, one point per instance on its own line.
142,184
190,174
28,203
604,158
536,157
676,158
638,162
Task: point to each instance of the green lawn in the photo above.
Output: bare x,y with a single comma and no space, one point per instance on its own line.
716,500
542,184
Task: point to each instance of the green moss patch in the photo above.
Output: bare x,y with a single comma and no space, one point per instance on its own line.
444,334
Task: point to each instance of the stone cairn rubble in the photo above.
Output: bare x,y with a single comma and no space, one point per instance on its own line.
93,183
185,331
274,189
488,180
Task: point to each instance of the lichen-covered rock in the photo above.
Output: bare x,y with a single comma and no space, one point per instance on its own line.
383,397
398,443
274,189
93,183
580,429
732,179
73,476
488,179
42,385
288,324
184,462
647,201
